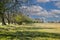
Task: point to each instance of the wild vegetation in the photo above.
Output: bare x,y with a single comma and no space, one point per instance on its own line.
30,32
16,25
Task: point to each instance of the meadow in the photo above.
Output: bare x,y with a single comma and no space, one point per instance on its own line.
36,31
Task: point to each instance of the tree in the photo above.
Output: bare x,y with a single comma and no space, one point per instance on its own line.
4,8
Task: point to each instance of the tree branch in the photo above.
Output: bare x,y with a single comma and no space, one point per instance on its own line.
16,2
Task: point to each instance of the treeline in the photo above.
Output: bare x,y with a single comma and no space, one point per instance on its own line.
16,18
9,12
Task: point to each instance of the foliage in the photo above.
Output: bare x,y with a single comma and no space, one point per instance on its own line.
8,5
3,8
21,18
18,18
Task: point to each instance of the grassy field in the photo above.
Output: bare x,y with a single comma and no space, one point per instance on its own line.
36,31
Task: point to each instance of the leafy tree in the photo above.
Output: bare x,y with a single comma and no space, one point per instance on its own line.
4,8
21,18
6,5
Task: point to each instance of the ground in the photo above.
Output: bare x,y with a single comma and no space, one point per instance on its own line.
34,31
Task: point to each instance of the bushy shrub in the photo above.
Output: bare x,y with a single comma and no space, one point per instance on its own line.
19,19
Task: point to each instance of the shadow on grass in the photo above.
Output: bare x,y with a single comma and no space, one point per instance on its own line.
27,35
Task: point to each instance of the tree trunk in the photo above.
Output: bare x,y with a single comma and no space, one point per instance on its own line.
3,21
8,18
8,21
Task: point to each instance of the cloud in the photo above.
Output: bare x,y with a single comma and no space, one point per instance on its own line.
34,10
31,9
39,11
46,0
43,0
57,4
55,11
54,0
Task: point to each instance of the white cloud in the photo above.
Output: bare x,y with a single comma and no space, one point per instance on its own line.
57,4
54,0
55,11
32,9
46,0
56,16
39,11
43,0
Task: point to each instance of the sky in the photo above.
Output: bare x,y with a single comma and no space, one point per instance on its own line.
48,10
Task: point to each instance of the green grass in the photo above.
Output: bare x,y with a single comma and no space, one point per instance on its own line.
28,32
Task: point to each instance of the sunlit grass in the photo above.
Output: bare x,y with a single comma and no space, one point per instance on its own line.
37,31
